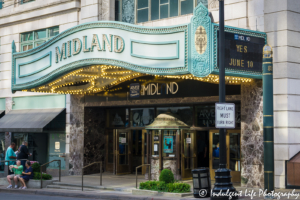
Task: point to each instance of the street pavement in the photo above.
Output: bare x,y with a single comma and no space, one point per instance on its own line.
10,196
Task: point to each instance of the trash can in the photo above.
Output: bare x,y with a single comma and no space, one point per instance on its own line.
201,182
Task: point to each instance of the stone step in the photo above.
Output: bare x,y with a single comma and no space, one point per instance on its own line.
68,188
92,187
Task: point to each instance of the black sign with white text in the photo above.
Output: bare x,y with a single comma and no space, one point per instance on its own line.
243,52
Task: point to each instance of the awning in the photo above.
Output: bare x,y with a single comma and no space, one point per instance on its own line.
31,120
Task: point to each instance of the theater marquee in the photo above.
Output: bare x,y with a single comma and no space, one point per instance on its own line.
103,50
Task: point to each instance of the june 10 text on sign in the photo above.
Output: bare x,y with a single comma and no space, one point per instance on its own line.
225,115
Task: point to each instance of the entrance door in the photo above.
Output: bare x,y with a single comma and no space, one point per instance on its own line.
233,151
188,154
138,141
123,153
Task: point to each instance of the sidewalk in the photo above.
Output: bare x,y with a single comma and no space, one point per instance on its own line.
113,187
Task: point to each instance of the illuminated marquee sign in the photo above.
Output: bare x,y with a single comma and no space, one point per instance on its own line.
243,52
184,49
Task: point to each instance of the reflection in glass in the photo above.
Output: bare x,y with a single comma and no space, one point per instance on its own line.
235,159
40,34
187,7
187,145
184,113
123,149
117,117
27,36
141,116
53,31
216,151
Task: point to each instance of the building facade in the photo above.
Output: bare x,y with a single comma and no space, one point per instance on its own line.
94,125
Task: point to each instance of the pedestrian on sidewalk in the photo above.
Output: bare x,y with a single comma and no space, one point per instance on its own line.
23,154
10,155
17,169
28,174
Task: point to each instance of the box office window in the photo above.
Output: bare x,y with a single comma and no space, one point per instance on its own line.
2,151
34,39
147,10
118,117
184,114
141,117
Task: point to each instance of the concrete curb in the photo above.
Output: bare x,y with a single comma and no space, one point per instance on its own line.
82,194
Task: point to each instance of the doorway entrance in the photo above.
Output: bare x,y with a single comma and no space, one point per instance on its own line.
233,150
194,151
126,149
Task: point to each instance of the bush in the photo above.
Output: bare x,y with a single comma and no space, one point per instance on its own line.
167,176
161,186
37,176
36,167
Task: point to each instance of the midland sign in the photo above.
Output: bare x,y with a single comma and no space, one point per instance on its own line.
174,50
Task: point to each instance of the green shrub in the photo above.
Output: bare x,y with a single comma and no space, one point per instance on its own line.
37,176
167,176
161,186
36,167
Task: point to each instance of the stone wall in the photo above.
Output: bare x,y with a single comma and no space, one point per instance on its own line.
252,147
167,164
94,138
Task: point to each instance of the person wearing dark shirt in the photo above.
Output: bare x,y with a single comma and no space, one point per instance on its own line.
23,154
28,174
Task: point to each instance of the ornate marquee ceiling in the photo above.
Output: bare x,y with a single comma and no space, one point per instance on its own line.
98,78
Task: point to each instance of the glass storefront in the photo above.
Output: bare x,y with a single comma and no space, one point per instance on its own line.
44,147
2,151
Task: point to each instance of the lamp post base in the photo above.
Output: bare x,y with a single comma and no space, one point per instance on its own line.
223,189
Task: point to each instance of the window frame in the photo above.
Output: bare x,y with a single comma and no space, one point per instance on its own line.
35,41
28,1
160,4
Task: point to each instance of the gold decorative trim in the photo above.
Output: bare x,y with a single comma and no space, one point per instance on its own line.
268,115
268,126
270,172
268,74
267,63
268,141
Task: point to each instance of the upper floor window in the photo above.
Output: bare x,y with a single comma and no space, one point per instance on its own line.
33,39
26,1
147,10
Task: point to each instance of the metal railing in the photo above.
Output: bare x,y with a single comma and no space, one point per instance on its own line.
12,160
149,173
88,166
59,161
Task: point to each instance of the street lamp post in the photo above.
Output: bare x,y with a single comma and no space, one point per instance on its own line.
223,178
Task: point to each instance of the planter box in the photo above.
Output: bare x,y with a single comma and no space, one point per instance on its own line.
30,184
156,193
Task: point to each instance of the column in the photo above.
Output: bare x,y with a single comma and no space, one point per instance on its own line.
75,132
252,174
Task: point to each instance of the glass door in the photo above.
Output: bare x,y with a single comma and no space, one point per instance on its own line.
233,151
188,154
123,152
214,158
144,151
234,158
